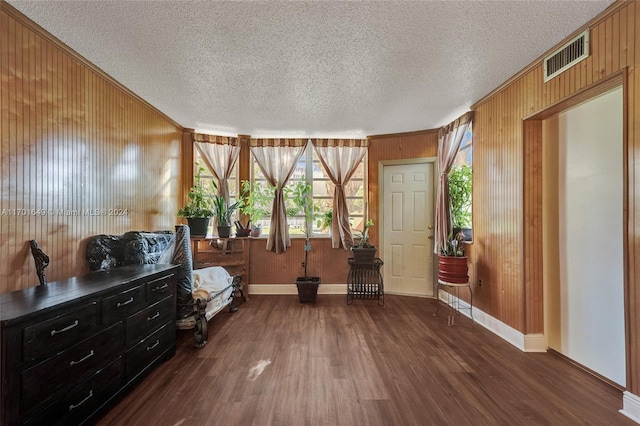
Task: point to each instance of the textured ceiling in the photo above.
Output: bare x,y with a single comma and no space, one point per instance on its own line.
311,69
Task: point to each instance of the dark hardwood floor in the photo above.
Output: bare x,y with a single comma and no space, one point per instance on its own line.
332,364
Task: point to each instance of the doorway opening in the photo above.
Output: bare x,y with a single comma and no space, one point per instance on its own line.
575,203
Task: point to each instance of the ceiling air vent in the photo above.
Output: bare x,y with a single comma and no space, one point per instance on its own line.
567,56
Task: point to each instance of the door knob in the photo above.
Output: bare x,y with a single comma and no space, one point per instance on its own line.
430,237
430,227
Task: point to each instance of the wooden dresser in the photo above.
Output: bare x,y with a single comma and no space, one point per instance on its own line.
72,346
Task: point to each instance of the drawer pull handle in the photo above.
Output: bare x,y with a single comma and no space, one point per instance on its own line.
126,302
73,407
154,317
89,355
67,328
153,346
161,287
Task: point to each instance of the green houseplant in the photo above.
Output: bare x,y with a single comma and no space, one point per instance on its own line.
364,251
224,213
460,181
257,199
299,200
199,209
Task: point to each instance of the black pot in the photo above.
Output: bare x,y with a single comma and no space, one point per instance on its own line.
198,226
224,231
307,289
363,254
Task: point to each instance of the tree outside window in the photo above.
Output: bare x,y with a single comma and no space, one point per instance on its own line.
460,187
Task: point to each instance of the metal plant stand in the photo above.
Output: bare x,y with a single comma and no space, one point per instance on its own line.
365,281
453,300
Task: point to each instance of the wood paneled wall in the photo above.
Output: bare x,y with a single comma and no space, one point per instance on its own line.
80,155
283,268
506,186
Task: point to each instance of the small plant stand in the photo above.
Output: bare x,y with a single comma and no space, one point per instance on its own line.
453,300
365,281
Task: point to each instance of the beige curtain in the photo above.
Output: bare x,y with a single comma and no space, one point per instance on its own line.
219,154
340,158
277,159
449,140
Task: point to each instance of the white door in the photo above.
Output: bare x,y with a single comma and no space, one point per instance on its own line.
407,224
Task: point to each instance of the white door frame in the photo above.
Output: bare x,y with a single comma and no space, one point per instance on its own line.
400,162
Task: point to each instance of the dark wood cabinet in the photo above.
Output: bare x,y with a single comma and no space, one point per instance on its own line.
69,348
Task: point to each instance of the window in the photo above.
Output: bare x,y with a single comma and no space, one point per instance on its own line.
209,180
310,168
460,186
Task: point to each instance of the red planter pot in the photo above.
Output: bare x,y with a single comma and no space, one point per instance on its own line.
453,269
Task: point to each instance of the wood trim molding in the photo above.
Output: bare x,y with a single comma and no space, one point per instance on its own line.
613,8
24,20
414,133
279,289
600,87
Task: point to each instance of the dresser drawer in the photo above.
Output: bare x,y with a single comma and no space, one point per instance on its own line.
141,355
140,325
53,334
119,306
161,288
64,370
81,401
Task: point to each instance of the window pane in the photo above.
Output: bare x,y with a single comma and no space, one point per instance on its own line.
355,206
323,188
460,185
359,173
322,192
257,172
355,188
210,184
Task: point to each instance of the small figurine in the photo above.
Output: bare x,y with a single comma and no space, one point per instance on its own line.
41,260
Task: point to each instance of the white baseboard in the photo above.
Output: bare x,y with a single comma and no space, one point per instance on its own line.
631,406
532,343
423,296
526,343
275,289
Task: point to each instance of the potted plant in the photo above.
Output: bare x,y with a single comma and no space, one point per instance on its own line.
256,201
364,252
199,209
460,181
300,200
224,213
452,263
